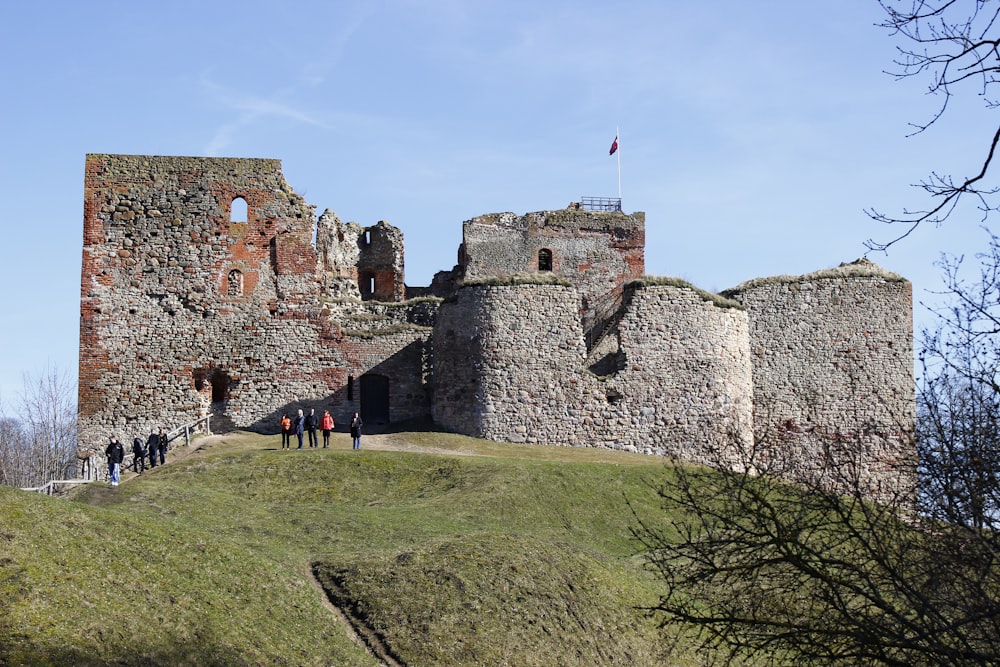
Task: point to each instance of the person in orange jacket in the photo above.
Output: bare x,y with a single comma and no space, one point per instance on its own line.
286,431
327,425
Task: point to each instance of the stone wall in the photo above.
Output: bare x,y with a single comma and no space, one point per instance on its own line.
186,311
547,334
686,383
511,365
597,252
833,375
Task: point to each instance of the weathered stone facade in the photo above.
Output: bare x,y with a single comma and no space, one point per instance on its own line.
682,384
186,311
832,359
544,332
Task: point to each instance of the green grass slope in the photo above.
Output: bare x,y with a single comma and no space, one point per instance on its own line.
441,550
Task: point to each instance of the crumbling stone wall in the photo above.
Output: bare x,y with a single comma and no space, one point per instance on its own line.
811,376
547,334
360,262
597,252
833,375
507,363
186,311
685,385
510,365
380,265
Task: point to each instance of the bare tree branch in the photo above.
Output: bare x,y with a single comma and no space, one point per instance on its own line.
953,45
38,441
759,570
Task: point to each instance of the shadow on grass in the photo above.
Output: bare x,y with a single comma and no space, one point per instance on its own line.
203,651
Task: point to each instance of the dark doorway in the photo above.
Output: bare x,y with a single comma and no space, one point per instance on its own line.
220,387
375,399
215,388
544,259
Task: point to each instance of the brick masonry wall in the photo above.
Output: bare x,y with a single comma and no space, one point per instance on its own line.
597,252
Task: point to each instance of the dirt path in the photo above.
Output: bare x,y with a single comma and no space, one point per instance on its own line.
360,633
396,442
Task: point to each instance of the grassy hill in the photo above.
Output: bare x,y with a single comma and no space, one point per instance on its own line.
421,549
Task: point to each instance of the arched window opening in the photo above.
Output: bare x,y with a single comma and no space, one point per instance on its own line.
238,210
544,259
350,387
368,237
235,283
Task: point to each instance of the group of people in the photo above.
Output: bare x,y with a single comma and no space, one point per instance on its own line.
303,425
155,447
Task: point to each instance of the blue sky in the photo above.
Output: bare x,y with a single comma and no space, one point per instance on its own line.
753,135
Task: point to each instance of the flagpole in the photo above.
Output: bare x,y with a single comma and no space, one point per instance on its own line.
619,151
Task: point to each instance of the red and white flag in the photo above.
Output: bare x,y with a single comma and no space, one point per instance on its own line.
614,146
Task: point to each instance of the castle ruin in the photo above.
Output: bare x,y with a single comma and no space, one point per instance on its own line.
209,287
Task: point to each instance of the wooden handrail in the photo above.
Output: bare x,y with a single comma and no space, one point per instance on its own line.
48,487
92,464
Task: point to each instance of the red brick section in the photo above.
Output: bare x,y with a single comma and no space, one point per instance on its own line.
94,361
294,255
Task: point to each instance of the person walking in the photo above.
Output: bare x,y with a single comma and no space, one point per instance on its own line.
161,445
300,425
286,431
138,455
327,425
152,445
311,427
116,454
356,425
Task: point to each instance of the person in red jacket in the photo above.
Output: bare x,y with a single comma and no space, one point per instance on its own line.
286,431
327,425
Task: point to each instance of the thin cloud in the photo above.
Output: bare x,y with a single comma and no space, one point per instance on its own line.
259,106
251,108
315,73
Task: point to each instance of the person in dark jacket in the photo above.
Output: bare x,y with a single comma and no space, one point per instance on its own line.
311,427
153,445
300,425
161,445
116,454
356,425
138,455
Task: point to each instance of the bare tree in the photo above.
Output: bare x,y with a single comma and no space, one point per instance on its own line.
761,572
38,441
760,569
954,43
13,453
959,398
